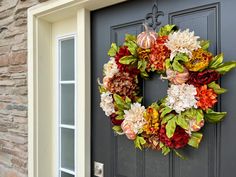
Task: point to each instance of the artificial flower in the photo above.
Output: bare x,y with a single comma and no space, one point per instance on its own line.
133,118
177,141
203,78
183,42
152,141
152,121
110,68
199,61
124,51
143,54
128,131
207,98
176,77
195,126
181,97
114,120
123,84
159,53
107,103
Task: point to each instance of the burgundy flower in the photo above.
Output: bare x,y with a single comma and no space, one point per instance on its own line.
124,51
203,78
114,120
179,139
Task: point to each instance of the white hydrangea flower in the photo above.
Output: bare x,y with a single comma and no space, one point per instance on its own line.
110,68
134,117
107,103
183,42
181,97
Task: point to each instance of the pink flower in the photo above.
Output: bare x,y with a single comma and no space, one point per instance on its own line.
127,129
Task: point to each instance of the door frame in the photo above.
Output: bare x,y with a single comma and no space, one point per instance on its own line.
40,99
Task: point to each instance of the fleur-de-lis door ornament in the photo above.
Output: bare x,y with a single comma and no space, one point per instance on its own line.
152,19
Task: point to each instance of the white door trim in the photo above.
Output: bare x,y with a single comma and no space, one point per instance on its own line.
40,91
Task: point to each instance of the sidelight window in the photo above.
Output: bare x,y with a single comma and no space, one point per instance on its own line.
66,107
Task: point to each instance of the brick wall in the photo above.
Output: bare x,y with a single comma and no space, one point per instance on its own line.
13,87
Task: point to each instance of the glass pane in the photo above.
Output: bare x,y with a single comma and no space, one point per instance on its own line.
67,104
63,174
67,149
67,59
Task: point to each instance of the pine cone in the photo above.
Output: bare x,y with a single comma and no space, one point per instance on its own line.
123,84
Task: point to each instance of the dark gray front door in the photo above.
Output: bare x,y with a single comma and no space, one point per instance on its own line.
216,157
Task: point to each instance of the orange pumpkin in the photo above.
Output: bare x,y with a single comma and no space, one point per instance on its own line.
147,38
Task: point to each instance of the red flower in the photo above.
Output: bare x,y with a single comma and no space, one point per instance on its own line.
207,98
159,53
203,78
177,141
124,51
114,120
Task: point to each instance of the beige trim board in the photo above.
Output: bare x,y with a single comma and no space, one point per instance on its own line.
41,90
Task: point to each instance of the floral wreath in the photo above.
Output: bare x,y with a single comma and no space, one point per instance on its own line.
192,71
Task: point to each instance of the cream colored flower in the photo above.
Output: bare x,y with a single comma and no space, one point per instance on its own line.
134,117
183,42
181,97
110,68
107,103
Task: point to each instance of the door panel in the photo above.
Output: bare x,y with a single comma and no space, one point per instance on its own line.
215,157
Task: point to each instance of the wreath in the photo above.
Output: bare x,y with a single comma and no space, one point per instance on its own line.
192,71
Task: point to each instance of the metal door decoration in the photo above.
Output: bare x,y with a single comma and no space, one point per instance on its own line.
192,72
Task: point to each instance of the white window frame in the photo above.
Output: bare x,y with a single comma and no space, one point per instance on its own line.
59,93
40,19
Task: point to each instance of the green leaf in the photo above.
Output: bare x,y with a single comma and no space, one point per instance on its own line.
119,117
189,113
167,118
113,50
117,129
119,101
144,74
130,37
181,121
165,150
216,61
126,60
168,63
226,67
166,30
199,115
214,117
177,66
139,142
205,44
101,89
128,100
170,127
181,57
142,64
155,106
165,110
139,100
216,88
132,46
195,139
120,112
179,155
